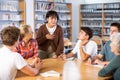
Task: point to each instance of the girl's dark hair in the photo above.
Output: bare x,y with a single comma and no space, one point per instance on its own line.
53,14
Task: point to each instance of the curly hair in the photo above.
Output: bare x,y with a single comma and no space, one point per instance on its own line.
9,35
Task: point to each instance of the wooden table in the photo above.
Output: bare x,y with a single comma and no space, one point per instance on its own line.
87,72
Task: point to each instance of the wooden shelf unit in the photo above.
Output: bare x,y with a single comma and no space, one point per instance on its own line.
99,17
91,16
22,6
12,12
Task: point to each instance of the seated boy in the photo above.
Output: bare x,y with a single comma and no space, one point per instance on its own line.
85,48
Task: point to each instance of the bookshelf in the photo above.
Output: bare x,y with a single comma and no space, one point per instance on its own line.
12,12
91,16
111,14
63,1
64,11
99,17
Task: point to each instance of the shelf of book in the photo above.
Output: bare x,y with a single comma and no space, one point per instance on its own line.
12,12
99,17
91,16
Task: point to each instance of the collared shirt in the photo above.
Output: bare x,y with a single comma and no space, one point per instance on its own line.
106,52
28,51
111,68
51,30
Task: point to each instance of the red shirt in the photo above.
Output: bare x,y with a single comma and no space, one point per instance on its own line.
30,51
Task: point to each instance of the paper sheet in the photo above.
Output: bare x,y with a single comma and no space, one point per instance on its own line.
100,66
50,73
70,59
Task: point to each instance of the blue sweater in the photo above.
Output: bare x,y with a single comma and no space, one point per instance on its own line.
111,67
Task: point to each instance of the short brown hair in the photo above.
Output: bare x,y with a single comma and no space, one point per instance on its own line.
9,35
88,31
116,24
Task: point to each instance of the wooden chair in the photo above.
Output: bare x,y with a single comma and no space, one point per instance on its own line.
99,42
